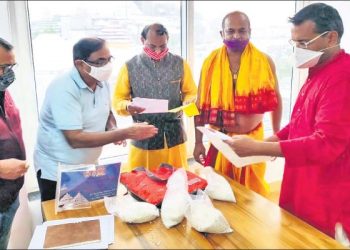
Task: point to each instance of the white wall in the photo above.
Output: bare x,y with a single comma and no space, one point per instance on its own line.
22,227
4,21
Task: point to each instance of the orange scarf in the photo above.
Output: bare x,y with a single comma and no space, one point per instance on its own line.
254,92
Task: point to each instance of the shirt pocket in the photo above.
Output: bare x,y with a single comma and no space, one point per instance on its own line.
304,118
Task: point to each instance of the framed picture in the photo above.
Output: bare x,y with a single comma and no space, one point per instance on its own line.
78,185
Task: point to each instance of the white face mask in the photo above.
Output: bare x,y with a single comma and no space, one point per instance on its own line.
305,58
101,74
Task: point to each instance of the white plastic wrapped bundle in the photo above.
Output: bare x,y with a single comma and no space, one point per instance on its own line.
176,199
204,217
340,235
130,210
218,187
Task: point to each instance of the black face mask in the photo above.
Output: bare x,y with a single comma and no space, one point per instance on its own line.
6,79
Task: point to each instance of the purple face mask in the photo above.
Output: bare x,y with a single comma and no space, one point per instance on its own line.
236,45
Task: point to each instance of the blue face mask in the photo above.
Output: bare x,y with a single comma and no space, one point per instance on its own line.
6,79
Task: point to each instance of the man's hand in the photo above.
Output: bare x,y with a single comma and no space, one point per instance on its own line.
12,168
243,145
140,131
123,142
133,109
199,153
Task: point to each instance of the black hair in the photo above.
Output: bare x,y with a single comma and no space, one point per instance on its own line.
86,46
159,28
5,44
324,16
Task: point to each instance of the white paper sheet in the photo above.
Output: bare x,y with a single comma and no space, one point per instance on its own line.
106,225
151,105
217,139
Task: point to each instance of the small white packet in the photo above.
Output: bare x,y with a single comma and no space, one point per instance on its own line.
341,236
130,210
176,199
121,191
218,187
204,217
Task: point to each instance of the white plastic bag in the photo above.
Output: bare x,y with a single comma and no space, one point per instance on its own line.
204,217
176,199
130,210
218,187
341,236
121,191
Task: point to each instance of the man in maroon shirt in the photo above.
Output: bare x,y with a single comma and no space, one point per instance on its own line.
316,142
12,154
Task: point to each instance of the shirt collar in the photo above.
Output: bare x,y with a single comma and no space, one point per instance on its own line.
79,81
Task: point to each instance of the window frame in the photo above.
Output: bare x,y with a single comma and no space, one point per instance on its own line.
16,25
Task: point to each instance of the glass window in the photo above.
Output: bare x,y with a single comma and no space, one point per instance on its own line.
270,33
56,26
343,7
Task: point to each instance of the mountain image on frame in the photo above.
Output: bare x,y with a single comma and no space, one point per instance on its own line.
77,187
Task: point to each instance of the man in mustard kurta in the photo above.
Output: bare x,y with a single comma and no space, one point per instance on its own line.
158,74
237,85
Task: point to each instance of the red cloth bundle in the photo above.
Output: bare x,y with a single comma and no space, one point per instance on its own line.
151,186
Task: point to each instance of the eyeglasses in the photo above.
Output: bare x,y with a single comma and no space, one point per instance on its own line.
304,44
99,62
7,67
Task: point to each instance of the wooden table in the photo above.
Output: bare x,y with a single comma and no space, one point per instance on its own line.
256,221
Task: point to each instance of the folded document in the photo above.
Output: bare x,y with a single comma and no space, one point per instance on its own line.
217,139
161,106
151,105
